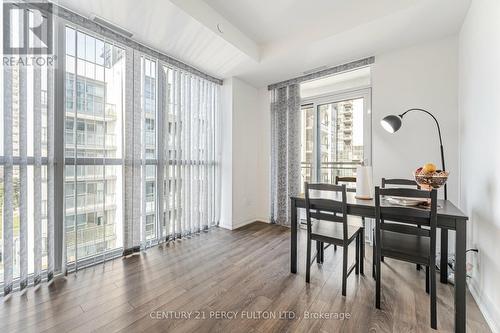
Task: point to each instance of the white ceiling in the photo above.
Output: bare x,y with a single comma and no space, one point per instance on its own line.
290,36
163,26
272,21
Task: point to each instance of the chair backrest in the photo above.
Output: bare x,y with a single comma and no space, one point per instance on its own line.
346,180
399,182
406,217
326,202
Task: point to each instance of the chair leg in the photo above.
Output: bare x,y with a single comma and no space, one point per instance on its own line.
377,281
344,270
308,258
374,255
362,249
318,252
363,240
433,296
418,265
322,252
427,279
358,245
334,247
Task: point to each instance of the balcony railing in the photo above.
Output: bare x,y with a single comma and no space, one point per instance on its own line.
94,112
90,140
328,170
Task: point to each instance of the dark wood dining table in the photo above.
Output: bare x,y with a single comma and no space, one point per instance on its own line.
449,218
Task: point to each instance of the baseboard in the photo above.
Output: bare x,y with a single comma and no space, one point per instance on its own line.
262,219
240,224
487,308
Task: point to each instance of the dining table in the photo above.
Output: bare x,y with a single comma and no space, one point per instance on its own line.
449,217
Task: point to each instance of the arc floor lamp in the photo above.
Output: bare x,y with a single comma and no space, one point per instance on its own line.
392,124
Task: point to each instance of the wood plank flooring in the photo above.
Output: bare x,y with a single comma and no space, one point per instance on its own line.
244,271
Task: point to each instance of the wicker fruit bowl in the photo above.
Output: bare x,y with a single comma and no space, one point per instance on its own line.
430,179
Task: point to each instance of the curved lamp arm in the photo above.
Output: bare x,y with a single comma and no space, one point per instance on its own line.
440,140
430,114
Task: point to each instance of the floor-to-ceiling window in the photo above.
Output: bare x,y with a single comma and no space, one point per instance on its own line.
24,148
191,124
110,149
94,86
149,147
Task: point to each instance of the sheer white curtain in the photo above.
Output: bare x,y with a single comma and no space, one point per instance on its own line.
185,160
163,158
27,240
190,153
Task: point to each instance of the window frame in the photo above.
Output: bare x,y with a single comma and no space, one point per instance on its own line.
74,160
316,101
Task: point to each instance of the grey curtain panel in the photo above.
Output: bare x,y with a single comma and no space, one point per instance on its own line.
285,150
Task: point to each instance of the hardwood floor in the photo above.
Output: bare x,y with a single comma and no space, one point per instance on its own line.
246,270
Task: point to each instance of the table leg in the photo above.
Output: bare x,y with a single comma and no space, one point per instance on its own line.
460,276
318,252
293,243
444,256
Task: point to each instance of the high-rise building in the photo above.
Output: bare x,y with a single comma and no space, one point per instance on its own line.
90,127
332,138
93,125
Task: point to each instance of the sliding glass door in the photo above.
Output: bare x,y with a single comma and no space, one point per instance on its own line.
336,135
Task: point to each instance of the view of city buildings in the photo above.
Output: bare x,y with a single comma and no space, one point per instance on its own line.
334,135
93,133
16,152
150,149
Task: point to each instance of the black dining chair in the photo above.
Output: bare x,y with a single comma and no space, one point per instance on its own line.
339,180
346,180
403,240
328,222
400,182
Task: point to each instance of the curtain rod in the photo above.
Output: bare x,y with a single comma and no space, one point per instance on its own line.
325,72
111,34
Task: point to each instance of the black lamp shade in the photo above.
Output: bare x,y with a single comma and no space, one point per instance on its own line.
391,123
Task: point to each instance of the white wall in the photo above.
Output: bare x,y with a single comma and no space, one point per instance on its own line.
226,220
479,91
245,133
423,76
264,114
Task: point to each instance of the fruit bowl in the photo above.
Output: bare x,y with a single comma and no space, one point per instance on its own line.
434,179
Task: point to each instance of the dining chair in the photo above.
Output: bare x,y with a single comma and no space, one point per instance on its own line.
349,180
403,240
346,180
400,182
328,222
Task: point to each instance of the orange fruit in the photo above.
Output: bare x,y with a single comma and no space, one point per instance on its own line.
429,168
